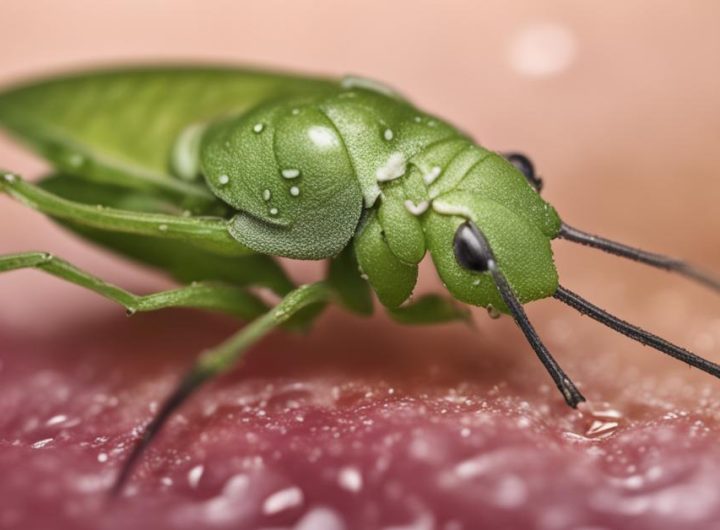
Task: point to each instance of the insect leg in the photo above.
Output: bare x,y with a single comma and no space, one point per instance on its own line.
208,233
655,260
201,295
568,389
644,337
221,358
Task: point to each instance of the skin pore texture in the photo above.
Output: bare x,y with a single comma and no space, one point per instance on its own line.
365,423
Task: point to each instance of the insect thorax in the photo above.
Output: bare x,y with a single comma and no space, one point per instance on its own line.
301,171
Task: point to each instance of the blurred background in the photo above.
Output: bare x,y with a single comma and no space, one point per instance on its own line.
618,105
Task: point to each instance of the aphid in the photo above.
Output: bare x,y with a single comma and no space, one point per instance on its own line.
210,173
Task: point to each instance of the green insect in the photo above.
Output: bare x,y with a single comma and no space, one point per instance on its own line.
210,173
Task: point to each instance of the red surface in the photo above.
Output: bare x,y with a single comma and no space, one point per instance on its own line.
360,425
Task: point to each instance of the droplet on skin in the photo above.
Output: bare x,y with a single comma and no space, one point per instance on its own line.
266,195
290,173
350,478
60,418
194,475
294,191
273,211
388,134
492,311
283,500
223,180
542,50
41,443
258,128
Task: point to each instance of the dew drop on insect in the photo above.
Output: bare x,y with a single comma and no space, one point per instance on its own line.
294,191
273,211
258,128
163,228
432,175
388,134
290,173
266,195
416,209
492,312
392,169
75,160
223,180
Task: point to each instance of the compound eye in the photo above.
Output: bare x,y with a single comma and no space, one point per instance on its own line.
526,167
471,249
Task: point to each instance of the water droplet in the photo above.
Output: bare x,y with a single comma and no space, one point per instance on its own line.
388,134
418,119
350,478
393,168
75,160
266,195
163,228
60,418
273,211
432,123
432,175
258,128
41,443
166,481
102,458
283,500
194,475
295,112
223,180
9,177
290,173
492,312
601,429
416,209
294,191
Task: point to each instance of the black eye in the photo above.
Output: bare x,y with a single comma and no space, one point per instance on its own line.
471,249
526,167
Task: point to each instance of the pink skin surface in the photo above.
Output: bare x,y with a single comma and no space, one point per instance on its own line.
362,423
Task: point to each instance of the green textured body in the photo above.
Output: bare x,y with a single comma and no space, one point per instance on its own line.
300,167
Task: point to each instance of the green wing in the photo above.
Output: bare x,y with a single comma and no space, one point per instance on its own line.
119,126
